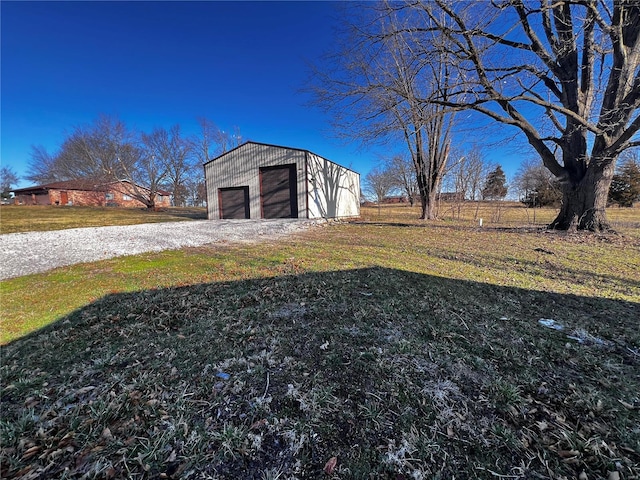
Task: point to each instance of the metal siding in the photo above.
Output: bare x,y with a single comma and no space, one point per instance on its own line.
241,167
334,191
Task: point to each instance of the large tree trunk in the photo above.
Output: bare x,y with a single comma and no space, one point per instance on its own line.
430,167
428,204
428,196
424,197
584,203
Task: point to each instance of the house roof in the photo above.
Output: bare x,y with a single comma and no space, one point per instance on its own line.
159,191
275,146
79,184
82,184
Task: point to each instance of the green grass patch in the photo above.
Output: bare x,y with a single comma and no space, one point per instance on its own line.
403,350
14,218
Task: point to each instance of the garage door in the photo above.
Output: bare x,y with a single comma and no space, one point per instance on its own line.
278,191
234,202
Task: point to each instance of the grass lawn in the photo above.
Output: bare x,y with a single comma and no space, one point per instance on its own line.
15,219
383,348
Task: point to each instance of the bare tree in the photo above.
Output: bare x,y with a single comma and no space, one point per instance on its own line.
537,186
145,178
465,176
378,183
209,143
228,140
564,73
42,166
212,141
8,178
101,151
466,172
426,127
104,151
376,88
195,188
172,151
404,176
476,169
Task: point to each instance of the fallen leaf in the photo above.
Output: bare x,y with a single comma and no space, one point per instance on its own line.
330,466
30,452
172,457
627,405
85,389
542,426
31,402
258,424
23,472
568,453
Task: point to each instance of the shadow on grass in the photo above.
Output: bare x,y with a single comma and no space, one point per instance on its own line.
396,374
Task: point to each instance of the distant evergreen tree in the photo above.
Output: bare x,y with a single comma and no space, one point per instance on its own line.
495,186
625,185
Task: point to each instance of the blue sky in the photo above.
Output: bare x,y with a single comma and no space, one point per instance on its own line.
155,64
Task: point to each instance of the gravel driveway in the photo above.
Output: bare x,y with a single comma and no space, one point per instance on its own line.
34,252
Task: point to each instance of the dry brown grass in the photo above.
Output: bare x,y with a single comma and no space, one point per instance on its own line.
31,218
494,214
401,349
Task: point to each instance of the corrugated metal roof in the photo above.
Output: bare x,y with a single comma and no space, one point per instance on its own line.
275,146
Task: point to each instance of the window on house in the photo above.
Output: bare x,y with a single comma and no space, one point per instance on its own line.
109,196
126,197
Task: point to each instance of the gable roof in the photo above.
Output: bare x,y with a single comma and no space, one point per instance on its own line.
274,146
82,184
86,185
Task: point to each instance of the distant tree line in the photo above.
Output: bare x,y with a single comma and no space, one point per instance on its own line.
106,150
467,177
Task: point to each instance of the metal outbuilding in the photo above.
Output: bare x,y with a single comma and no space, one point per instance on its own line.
258,180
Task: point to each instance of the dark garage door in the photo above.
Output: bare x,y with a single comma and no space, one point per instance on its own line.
278,191
234,202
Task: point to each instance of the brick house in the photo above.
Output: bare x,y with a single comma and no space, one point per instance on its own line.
86,193
451,197
395,199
